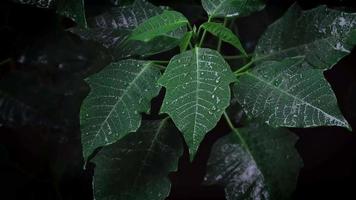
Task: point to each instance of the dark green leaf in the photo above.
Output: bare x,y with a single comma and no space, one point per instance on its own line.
232,8
38,3
261,164
158,25
290,94
137,166
318,34
225,34
118,94
197,92
185,41
73,9
113,28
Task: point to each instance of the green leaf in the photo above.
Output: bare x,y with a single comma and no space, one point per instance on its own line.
197,92
351,40
225,34
38,3
232,8
319,34
137,166
118,94
113,28
158,25
73,9
185,41
260,164
288,93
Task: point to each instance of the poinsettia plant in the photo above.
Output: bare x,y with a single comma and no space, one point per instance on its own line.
279,85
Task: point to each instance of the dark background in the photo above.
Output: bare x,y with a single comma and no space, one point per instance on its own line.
42,79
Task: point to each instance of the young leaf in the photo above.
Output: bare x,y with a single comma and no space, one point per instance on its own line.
159,25
225,34
197,92
290,94
185,41
113,28
318,34
73,9
232,8
118,94
264,165
137,166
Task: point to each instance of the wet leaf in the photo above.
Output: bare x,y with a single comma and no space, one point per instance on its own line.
261,164
197,92
232,8
225,34
113,28
158,25
290,94
319,34
137,166
119,93
73,9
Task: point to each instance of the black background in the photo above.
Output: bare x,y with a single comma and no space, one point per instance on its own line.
40,150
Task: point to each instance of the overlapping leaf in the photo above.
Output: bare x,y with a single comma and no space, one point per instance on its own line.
137,166
231,8
261,164
38,3
183,45
224,34
113,28
288,93
197,92
118,94
319,34
158,25
73,9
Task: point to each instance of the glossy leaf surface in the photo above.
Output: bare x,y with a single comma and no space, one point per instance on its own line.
231,8
265,165
73,9
137,166
158,25
197,92
113,28
119,93
290,94
225,34
319,34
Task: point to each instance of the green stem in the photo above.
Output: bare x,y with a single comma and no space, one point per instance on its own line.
245,67
160,67
220,41
235,57
236,131
160,61
203,36
190,27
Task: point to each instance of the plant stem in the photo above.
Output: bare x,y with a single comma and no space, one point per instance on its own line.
160,61
243,68
160,67
220,41
236,131
235,57
203,36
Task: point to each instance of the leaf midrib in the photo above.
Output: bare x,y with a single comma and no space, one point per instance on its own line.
265,56
294,97
149,149
146,66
